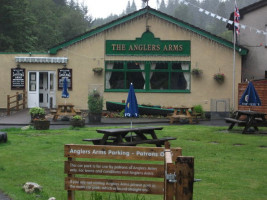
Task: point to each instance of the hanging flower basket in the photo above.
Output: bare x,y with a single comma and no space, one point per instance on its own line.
196,72
98,70
219,77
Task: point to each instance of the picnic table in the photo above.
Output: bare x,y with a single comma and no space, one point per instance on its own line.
180,113
247,119
129,137
65,109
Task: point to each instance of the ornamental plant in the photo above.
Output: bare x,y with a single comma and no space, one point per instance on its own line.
95,102
77,118
219,77
37,113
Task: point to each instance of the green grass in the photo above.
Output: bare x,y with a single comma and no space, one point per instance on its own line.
231,165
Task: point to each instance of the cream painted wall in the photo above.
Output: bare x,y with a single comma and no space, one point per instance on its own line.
89,53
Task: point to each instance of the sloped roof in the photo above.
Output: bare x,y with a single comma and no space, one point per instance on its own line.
148,10
243,11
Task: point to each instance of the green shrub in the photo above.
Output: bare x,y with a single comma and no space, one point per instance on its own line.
95,102
77,117
198,109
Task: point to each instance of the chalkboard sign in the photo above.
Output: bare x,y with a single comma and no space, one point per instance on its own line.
17,79
64,73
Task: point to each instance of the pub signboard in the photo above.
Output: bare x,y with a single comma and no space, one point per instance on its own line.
64,73
17,79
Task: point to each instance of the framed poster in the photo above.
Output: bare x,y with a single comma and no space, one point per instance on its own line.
17,79
64,73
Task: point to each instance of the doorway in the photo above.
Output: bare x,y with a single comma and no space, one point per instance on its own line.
41,89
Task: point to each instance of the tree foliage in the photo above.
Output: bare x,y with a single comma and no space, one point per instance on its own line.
36,25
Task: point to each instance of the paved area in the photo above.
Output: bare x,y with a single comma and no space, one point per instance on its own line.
22,118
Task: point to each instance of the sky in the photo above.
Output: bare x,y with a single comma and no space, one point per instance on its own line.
104,8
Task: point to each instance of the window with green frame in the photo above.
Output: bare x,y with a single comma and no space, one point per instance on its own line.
149,76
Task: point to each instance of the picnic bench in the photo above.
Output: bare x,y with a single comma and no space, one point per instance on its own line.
181,113
66,109
129,137
247,119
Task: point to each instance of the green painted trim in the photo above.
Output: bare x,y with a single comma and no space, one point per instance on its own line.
240,50
147,71
27,53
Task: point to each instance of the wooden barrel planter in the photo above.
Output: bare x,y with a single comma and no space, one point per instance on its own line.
3,137
41,124
77,123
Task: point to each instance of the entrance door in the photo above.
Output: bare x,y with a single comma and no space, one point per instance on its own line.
33,89
41,89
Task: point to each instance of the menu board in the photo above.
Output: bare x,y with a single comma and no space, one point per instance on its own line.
64,73
17,79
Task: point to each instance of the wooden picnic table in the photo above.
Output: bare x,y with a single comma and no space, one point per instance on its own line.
181,113
65,109
247,119
129,137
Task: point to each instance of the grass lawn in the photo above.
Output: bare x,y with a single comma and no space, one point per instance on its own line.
231,165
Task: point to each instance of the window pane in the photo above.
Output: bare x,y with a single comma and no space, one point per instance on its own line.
136,78
159,80
177,66
178,81
116,80
133,65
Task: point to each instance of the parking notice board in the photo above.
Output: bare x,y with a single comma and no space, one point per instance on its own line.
105,168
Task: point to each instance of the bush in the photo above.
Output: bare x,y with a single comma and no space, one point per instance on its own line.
95,102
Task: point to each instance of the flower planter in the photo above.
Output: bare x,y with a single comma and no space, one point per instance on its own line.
77,123
94,118
41,125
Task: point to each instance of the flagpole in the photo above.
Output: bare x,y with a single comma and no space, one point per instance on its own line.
233,92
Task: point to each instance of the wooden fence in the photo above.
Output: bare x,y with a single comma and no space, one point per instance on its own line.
16,102
178,176
261,88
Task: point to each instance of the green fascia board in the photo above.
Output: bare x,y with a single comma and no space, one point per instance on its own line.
239,49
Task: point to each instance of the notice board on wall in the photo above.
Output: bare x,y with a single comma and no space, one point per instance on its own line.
64,73
17,79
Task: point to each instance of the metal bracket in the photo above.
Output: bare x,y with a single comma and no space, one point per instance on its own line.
171,178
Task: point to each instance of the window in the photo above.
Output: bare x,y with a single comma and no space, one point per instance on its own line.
148,76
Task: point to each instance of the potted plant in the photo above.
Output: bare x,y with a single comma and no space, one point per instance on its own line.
219,77
38,118
95,106
77,121
37,113
196,72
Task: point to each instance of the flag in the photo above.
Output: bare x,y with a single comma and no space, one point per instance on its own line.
236,19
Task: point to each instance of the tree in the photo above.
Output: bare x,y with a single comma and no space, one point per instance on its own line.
16,22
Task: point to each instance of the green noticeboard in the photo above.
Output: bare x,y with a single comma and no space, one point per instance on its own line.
148,45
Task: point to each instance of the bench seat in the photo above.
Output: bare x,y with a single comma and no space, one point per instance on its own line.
159,141
232,120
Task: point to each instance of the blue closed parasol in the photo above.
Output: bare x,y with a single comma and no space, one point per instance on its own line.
65,93
131,107
250,97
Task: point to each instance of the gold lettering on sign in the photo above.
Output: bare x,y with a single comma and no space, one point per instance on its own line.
171,47
118,47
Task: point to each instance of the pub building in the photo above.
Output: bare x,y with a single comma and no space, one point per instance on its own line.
154,51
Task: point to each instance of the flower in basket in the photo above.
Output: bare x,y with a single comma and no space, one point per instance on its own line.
219,77
196,71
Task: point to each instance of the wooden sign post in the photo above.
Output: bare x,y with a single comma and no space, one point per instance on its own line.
166,170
